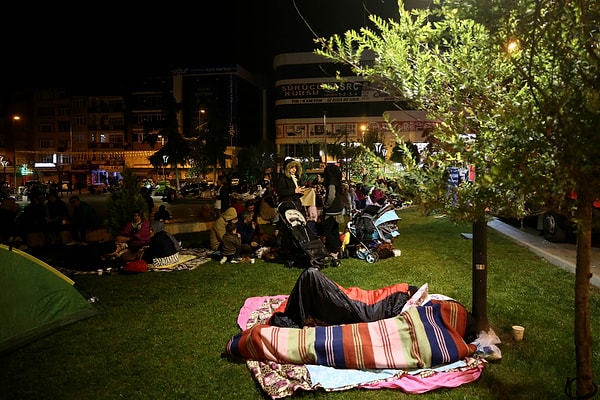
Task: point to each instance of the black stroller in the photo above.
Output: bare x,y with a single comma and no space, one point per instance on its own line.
309,250
372,227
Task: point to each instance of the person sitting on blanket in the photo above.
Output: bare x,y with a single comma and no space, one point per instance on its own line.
163,248
132,240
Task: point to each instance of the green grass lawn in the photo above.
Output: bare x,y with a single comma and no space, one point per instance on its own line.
160,335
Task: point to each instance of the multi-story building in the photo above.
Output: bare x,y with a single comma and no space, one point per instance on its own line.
89,138
314,124
75,138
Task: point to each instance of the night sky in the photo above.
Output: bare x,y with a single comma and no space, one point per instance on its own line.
102,43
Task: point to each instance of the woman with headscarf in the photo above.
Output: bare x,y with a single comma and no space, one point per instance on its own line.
288,184
289,190
332,208
163,248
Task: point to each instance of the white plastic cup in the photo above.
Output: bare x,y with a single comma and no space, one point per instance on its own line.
518,332
100,272
252,260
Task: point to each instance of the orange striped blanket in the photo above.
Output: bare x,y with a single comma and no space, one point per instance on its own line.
422,337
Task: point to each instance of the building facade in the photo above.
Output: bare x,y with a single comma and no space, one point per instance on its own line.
315,124
72,139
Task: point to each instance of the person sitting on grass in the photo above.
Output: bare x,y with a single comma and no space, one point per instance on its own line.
218,230
134,236
231,246
250,232
163,248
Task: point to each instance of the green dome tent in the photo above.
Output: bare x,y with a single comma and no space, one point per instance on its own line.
35,300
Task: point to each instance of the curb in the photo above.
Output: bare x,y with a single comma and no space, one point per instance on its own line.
562,255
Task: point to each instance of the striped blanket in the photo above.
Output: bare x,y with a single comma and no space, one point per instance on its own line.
421,337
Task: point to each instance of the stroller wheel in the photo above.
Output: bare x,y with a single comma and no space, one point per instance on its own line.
288,264
371,257
335,262
361,253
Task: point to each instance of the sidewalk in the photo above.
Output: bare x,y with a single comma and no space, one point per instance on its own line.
562,255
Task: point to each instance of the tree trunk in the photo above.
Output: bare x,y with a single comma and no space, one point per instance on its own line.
479,272
583,335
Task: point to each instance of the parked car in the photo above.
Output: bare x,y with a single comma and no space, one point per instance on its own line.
557,228
191,189
97,188
34,185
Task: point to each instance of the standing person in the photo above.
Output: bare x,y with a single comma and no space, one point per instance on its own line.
149,200
163,248
288,184
83,219
223,201
289,190
232,244
347,200
332,208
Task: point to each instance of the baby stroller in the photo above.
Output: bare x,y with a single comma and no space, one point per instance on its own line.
372,227
309,249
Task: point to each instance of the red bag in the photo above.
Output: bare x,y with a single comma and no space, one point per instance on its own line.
136,266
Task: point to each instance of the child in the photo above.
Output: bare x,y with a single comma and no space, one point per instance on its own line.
231,245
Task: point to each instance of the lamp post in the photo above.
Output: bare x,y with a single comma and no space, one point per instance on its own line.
165,161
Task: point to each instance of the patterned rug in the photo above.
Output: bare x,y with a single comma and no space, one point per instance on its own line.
189,259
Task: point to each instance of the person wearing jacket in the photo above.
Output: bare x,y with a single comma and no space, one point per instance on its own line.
163,248
289,190
288,184
332,208
218,229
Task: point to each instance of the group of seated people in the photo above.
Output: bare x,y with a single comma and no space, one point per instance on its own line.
237,233
46,220
141,239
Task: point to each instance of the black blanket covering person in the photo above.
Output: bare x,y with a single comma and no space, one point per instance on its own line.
316,299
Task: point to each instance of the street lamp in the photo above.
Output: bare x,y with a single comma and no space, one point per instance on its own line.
165,161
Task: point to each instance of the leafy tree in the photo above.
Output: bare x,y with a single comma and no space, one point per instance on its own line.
523,78
209,142
254,161
176,148
123,202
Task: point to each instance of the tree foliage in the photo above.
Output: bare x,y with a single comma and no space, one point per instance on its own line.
522,77
255,161
209,142
123,202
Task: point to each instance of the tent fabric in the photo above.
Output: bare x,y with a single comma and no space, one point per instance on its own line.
35,300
